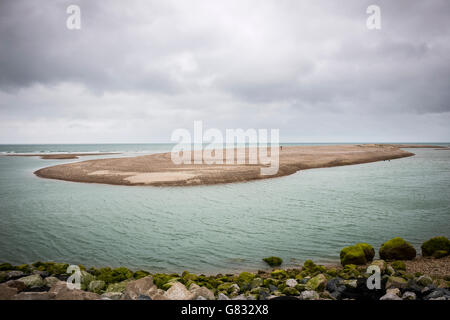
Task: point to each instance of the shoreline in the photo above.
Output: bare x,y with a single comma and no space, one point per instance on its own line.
159,170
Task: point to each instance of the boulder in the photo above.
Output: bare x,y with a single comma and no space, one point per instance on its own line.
309,295
202,292
291,283
7,292
12,275
408,295
32,281
399,265
437,246
143,286
359,254
424,281
396,282
380,264
96,286
318,283
391,294
397,249
85,279
50,281
179,292
118,287
221,296
273,261
62,292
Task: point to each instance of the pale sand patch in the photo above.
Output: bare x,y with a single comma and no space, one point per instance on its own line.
150,177
109,172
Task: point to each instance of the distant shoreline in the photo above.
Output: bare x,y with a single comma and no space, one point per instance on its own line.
159,170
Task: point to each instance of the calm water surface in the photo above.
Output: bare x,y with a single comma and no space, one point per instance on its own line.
311,214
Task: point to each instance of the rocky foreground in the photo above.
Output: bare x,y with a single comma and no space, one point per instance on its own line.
399,279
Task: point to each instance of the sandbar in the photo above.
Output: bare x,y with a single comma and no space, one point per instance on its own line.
159,170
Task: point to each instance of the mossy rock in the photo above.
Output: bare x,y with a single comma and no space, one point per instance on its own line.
399,265
25,268
244,280
97,286
290,291
397,249
311,269
140,274
160,279
270,281
85,279
53,268
279,274
332,272
3,276
435,244
273,261
114,275
6,267
440,254
186,276
117,287
318,283
359,254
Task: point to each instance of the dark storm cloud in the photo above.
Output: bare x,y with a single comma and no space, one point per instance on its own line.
233,63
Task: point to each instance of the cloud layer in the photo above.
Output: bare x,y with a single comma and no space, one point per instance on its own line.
136,72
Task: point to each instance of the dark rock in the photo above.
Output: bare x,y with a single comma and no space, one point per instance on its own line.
14,275
362,292
272,288
333,284
143,297
43,274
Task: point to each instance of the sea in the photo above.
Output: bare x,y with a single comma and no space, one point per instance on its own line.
222,228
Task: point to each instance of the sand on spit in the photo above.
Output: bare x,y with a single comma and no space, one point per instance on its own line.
159,170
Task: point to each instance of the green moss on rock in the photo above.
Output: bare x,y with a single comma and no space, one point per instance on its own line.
114,275
397,249
290,291
279,274
273,261
398,265
140,274
6,267
431,246
359,254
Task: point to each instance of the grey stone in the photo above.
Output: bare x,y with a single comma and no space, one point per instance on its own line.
408,295
291,283
143,297
309,295
143,286
221,296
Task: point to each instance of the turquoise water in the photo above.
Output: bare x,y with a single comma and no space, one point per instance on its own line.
224,228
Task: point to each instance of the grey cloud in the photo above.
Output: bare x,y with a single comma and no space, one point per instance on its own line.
231,63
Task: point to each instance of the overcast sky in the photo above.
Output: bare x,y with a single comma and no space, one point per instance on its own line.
137,70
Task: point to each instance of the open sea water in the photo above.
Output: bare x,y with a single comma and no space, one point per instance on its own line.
221,228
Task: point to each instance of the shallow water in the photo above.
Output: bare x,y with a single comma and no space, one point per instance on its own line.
221,228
